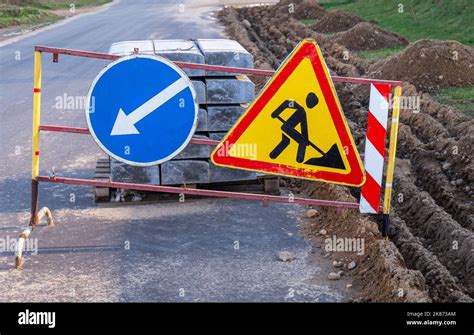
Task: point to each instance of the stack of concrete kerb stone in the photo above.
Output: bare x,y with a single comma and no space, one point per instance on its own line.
222,98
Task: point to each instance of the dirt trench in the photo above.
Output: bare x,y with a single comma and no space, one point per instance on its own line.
429,256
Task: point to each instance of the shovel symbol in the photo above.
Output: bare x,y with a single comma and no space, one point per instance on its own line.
332,158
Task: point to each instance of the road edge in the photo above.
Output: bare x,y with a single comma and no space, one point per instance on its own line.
57,24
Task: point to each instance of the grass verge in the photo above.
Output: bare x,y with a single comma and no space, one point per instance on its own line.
461,98
309,22
15,15
379,53
33,12
416,19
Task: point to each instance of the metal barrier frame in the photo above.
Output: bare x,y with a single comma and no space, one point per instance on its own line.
36,215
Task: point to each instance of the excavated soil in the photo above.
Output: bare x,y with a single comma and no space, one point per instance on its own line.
299,9
381,273
430,65
335,21
429,254
368,36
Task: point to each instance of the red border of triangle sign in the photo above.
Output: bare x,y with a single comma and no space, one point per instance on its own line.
305,49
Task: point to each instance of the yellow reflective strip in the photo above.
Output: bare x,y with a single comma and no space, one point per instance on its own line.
36,116
392,150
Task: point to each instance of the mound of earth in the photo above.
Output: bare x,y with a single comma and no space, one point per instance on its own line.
429,65
300,9
381,271
368,36
335,21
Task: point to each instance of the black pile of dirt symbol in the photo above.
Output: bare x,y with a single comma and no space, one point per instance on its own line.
332,158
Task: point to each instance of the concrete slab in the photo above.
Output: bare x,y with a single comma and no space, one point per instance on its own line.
231,90
181,51
222,118
202,124
126,47
217,136
200,88
221,174
185,171
209,51
224,52
134,174
195,150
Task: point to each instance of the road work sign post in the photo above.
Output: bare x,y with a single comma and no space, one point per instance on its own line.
298,141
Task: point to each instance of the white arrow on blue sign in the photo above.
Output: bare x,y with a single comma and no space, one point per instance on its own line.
142,110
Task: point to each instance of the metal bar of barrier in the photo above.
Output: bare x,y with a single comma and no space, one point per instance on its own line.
76,130
200,192
64,129
208,67
194,140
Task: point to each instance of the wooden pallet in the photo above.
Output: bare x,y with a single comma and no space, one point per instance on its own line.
263,184
102,172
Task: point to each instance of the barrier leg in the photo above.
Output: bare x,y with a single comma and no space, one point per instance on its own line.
392,151
35,152
26,234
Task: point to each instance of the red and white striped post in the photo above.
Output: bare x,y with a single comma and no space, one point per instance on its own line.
375,148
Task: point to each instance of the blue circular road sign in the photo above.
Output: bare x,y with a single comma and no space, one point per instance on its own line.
142,110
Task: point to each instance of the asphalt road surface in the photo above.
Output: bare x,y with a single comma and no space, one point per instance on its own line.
200,250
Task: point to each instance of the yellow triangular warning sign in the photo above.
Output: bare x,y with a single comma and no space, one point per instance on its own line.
295,127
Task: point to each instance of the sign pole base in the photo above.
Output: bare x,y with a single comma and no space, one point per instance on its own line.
385,224
34,220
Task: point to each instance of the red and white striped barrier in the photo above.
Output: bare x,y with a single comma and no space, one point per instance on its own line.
375,148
